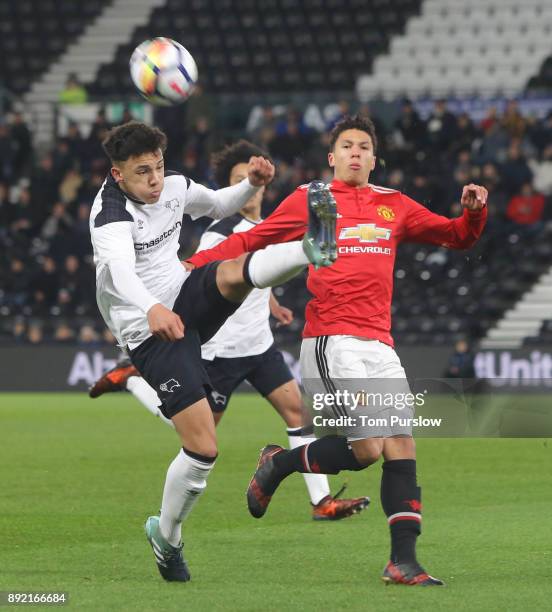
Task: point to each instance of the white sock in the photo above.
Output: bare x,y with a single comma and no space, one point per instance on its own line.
317,484
147,396
276,264
186,480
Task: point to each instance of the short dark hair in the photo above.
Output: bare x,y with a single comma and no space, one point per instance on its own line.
357,122
132,139
227,158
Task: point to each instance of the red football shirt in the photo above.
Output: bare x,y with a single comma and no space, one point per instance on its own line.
526,210
353,296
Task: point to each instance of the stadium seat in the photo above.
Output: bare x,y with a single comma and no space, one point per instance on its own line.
356,32
514,37
32,21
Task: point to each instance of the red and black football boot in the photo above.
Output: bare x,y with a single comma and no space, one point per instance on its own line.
264,482
408,573
113,380
330,508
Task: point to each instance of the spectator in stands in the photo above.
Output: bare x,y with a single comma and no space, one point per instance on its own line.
491,180
19,330
127,115
95,157
513,121
45,286
74,92
494,144
291,140
262,120
200,105
81,231
466,133
5,209
35,333
63,333
201,141
76,144
65,304
542,171
99,127
23,218
44,187
62,157
526,208
16,286
8,152
410,131
461,176
21,136
515,170
419,189
78,281
70,185
6,98
460,363
58,221
489,120
316,157
90,186
441,127
191,165
490,176
88,335
540,132
396,179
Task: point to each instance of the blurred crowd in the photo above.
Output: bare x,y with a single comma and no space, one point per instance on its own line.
47,285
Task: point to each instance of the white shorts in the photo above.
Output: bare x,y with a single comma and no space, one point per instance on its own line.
357,387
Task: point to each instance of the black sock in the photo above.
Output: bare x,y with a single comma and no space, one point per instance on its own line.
401,502
328,455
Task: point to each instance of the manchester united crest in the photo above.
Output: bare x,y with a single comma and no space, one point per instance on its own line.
387,213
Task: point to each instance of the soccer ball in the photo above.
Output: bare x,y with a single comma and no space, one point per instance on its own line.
163,71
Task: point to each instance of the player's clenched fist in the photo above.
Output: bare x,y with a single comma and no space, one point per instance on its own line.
260,171
164,323
474,196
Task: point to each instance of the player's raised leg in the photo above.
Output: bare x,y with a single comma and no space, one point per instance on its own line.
319,241
279,263
125,377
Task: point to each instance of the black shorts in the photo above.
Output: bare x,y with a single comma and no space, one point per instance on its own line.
266,372
175,369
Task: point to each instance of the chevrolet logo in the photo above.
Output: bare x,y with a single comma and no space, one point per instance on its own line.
365,232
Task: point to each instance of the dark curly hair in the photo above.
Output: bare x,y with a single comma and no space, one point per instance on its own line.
354,123
227,158
132,139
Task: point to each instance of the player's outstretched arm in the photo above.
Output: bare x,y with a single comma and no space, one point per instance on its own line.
422,225
220,203
288,222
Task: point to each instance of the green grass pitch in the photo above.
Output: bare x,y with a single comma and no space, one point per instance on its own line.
79,477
